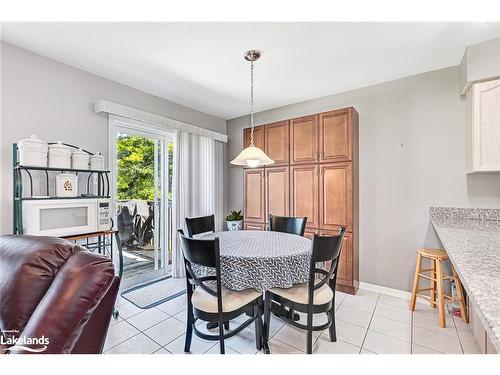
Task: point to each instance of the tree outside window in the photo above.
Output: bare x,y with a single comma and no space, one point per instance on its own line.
136,168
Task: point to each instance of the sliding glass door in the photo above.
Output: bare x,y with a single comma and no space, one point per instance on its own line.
141,174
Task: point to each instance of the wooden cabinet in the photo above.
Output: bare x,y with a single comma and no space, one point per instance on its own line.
335,141
253,195
277,187
304,140
315,175
346,264
304,193
483,129
309,233
347,280
335,196
254,226
259,137
277,142
479,331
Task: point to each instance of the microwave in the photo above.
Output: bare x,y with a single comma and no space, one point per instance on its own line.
65,217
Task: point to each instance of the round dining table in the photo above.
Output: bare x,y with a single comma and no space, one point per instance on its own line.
262,259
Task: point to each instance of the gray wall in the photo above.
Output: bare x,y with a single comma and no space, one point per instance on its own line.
412,157
55,101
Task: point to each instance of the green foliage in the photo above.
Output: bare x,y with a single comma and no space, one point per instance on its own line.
136,167
234,216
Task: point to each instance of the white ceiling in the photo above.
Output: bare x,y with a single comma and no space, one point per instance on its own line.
201,65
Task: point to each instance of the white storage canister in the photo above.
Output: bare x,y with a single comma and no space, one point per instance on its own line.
32,152
97,162
59,156
79,159
66,185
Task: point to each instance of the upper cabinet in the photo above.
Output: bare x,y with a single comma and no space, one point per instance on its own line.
258,136
304,140
277,142
483,127
335,140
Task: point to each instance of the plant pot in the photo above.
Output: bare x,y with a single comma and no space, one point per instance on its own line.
234,225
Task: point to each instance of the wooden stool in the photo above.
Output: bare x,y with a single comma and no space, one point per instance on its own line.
436,289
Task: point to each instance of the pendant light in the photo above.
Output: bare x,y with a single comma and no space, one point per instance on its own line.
252,156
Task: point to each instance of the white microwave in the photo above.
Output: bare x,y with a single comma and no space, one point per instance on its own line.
65,217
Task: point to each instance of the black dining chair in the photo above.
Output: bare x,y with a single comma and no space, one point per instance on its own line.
209,301
292,225
314,297
202,224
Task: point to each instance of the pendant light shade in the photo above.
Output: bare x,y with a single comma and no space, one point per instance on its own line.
252,156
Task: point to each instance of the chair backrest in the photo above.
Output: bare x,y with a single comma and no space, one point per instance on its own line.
205,253
292,225
325,249
202,224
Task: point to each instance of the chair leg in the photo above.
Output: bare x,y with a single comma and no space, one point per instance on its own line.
460,295
413,299
189,330
309,332
267,320
433,283
440,294
332,330
226,326
221,337
258,327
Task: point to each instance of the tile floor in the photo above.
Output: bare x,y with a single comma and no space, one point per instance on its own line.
368,323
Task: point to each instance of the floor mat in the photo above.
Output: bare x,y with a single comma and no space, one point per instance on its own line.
155,292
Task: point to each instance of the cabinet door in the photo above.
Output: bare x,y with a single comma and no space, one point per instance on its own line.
335,136
254,226
304,140
483,136
277,191
304,193
253,195
258,136
345,271
277,142
309,233
335,196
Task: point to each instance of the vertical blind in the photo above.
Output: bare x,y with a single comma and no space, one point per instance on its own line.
198,185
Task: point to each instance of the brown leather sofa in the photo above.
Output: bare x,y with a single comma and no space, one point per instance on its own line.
51,288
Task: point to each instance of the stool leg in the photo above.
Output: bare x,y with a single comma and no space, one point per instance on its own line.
433,283
440,294
460,295
413,299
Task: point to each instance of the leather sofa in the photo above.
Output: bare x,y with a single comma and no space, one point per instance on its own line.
56,291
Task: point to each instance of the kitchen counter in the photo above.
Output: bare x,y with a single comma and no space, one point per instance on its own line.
471,238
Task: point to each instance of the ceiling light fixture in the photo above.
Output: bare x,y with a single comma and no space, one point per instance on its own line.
252,156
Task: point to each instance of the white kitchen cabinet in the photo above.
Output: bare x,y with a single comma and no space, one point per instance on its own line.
483,127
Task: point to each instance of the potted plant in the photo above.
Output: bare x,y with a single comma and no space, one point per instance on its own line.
234,220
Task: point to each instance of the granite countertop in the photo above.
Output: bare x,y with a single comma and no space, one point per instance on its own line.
471,238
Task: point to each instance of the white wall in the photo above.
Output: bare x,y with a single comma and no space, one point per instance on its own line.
55,101
412,157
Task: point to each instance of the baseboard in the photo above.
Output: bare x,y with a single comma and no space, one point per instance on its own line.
384,290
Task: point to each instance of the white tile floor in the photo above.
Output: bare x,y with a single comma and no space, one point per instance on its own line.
367,323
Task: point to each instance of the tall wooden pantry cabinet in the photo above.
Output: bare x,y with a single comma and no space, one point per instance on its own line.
315,175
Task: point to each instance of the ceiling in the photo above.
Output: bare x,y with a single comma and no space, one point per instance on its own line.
201,65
